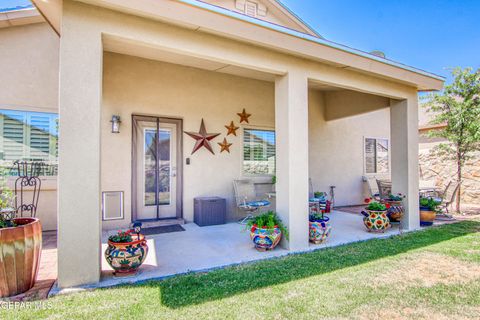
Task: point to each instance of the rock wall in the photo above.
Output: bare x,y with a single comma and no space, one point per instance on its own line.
434,168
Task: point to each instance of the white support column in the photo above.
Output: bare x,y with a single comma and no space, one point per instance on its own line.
404,146
79,222
291,125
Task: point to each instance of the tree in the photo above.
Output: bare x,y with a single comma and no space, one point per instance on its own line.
457,107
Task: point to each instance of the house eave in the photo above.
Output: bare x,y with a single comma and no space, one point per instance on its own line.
275,37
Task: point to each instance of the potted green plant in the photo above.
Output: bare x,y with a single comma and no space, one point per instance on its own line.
266,231
274,182
428,210
319,227
396,210
375,216
20,246
126,252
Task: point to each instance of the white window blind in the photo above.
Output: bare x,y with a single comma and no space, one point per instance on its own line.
31,136
258,152
376,156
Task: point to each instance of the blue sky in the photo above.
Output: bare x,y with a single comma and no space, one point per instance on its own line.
432,35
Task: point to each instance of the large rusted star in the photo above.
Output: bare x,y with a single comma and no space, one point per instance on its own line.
244,116
232,129
203,138
225,146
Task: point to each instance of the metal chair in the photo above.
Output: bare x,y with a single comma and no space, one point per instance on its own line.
384,188
448,196
247,200
373,188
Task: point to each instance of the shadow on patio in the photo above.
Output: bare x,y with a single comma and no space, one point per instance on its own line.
192,289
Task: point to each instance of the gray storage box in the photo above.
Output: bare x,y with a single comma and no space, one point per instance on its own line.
209,211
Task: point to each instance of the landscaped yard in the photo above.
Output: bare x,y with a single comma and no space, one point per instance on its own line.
431,274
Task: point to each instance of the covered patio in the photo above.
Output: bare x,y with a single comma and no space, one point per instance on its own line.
319,110
200,249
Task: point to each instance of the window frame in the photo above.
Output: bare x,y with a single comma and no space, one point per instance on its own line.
369,174
260,128
32,109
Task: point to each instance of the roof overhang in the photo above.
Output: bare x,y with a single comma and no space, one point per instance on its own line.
207,18
20,17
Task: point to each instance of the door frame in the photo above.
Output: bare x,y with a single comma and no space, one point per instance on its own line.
159,119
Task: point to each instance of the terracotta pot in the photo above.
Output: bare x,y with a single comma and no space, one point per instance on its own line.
319,231
126,258
264,238
376,221
396,210
20,250
427,216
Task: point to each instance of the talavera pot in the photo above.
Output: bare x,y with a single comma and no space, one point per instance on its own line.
427,216
319,231
376,221
20,250
265,238
125,258
396,210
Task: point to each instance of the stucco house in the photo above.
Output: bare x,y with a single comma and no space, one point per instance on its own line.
161,66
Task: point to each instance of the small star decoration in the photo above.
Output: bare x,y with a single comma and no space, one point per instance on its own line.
232,129
225,146
203,138
244,116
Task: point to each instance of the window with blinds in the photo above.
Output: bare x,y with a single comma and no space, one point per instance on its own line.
258,152
376,156
31,136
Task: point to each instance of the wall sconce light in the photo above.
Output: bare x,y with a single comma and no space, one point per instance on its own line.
115,124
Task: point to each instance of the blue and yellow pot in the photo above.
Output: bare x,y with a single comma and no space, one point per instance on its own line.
265,238
319,230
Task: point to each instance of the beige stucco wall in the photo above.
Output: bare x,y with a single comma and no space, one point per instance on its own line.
336,147
29,82
139,86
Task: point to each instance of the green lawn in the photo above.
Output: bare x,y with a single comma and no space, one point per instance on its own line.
432,274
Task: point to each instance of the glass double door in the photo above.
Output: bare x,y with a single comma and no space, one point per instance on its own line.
156,178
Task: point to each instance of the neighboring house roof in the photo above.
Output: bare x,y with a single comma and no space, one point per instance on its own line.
431,127
262,33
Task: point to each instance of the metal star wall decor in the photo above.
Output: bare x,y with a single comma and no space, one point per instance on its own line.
232,129
203,138
244,116
225,146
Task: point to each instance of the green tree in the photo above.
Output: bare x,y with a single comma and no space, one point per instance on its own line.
457,107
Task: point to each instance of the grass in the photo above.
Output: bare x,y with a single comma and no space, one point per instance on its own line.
431,274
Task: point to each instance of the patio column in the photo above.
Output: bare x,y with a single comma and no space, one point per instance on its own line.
79,225
404,152
291,125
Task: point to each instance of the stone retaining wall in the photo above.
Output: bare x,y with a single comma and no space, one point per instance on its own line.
434,168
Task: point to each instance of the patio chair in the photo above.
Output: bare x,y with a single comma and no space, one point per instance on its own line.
373,187
384,188
448,196
247,200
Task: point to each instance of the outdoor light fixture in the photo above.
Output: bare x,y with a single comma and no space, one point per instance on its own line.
115,124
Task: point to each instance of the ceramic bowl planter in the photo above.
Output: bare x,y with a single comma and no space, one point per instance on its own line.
376,221
265,238
20,249
319,230
126,257
427,216
396,211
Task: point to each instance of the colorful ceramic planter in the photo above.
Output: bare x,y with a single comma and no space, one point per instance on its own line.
396,210
427,216
319,230
376,221
264,238
126,258
20,249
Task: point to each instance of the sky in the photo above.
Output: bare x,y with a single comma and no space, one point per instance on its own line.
432,35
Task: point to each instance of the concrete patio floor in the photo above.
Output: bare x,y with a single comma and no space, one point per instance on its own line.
205,248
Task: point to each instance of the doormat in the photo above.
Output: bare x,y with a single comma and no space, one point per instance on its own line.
162,229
